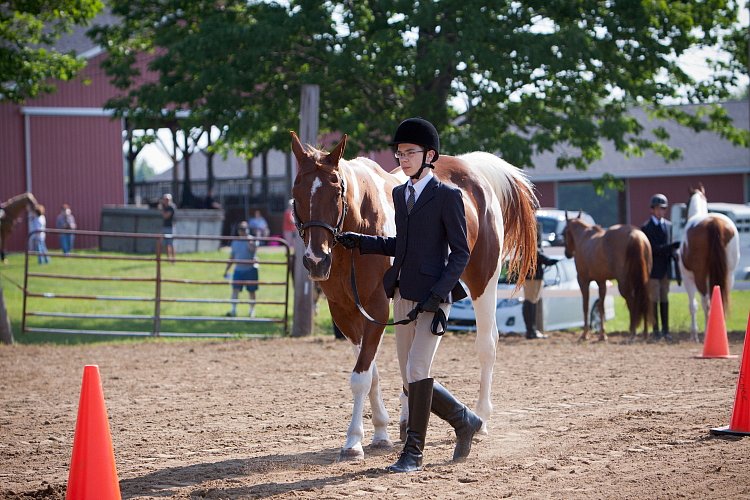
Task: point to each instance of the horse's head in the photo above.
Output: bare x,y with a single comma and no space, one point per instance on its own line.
570,225
320,204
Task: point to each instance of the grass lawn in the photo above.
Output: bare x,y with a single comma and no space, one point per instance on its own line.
198,290
208,301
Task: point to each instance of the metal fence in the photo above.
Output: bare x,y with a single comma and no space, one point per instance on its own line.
165,291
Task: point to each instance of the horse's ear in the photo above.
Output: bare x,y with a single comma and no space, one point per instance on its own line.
297,149
566,216
580,212
338,152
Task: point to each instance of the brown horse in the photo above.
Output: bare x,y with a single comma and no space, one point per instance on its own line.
621,252
333,195
13,211
709,253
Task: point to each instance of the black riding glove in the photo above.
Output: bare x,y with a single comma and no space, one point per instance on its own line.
432,304
552,262
675,245
349,240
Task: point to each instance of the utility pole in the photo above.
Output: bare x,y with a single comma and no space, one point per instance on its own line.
302,323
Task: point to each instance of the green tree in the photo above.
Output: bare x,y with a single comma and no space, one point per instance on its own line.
513,77
28,31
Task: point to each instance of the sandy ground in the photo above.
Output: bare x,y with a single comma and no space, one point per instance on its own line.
265,419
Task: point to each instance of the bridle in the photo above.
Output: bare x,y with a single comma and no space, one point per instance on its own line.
334,230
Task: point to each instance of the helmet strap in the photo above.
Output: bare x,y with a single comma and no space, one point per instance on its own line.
424,165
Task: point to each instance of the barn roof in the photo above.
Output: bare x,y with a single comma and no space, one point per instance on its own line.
702,153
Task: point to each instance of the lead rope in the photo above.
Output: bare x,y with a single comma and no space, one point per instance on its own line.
439,321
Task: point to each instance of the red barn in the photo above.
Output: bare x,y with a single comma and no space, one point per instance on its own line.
65,148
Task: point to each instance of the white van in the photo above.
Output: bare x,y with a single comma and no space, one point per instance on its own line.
738,213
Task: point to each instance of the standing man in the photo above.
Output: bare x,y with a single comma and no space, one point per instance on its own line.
658,230
167,213
431,252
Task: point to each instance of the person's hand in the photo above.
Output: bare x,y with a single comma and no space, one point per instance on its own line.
675,245
552,262
432,304
349,240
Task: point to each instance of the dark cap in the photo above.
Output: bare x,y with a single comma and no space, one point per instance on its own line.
659,200
417,131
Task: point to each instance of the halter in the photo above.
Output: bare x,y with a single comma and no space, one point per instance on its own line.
334,230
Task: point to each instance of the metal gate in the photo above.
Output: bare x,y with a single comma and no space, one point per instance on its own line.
166,292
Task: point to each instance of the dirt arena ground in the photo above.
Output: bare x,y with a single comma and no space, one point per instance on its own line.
265,419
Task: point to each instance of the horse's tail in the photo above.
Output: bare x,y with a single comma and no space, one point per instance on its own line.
637,274
717,262
518,205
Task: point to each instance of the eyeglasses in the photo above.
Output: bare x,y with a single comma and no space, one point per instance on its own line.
406,154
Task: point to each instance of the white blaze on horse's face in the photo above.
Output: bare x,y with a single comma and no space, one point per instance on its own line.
309,251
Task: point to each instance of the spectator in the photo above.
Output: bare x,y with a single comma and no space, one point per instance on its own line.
37,226
258,226
658,230
243,249
288,226
66,220
210,202
167,208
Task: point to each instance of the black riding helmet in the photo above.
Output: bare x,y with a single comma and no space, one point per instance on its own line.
417,131
421,132
659,200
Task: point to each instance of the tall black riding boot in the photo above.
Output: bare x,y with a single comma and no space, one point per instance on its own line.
664,310
656,334
529,317
465,422
420,402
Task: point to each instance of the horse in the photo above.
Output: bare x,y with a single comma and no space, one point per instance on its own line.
333,195
621,252
13,209
709,253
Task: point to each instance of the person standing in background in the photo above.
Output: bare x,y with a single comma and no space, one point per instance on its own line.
66,220
37,226
258,226
658,230
532,290
243,249
167,208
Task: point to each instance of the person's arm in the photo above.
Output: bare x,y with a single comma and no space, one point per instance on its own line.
229,264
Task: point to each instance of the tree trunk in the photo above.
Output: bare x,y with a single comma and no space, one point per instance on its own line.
6,333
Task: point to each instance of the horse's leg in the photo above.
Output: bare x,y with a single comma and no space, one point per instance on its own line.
360,383
600,305
688,280
380,437
706,303
585,295
486,344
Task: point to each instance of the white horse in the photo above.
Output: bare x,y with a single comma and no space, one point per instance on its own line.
709,253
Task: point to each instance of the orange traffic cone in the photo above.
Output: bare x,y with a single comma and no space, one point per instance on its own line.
92,467
716,345
739,425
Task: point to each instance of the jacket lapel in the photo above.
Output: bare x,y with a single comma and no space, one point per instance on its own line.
427,194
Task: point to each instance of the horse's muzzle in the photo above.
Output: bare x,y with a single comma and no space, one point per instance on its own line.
318,269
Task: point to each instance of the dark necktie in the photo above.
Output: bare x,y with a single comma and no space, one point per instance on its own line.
410,200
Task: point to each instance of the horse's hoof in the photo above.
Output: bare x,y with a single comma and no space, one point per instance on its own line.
483,431
402,431
382,444
351,455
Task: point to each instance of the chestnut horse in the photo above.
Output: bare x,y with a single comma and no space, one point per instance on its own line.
13,210
709,253
621,252
332,195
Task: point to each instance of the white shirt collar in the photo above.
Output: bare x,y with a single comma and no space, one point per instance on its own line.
657,221
420,184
